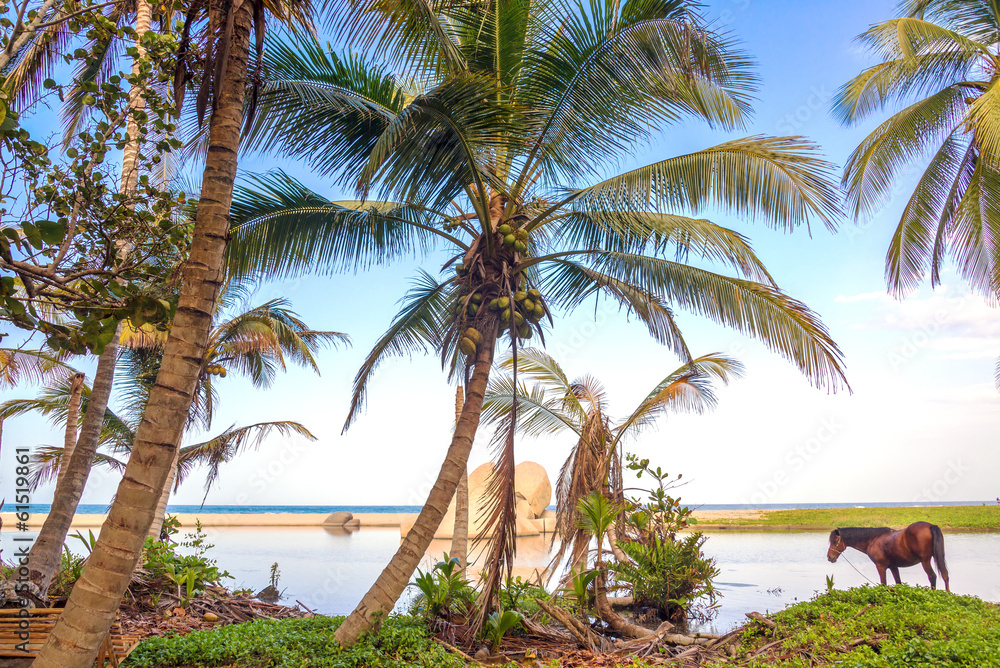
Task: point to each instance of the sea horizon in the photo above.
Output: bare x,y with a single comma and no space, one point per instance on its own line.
174,509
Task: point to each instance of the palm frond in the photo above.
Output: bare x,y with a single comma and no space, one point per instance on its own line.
323,107
230,443
871,171
46,460
280,228
781,180
18,366
419,326
689,389
764,312
918,57
539,413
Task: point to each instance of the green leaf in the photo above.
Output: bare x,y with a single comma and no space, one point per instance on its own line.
51,232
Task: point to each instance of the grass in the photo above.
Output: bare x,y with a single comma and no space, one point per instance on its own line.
964,518
907,626
402,642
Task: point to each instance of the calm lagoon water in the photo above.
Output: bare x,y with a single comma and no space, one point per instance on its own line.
329,571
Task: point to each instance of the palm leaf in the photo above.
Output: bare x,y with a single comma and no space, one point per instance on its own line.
280,228
19,366
46,460
779,179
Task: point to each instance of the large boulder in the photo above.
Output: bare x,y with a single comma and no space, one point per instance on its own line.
338,519
531,482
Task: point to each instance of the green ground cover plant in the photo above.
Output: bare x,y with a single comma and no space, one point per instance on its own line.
968,518
401,642
897,626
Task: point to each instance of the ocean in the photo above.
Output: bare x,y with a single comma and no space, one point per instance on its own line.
98,509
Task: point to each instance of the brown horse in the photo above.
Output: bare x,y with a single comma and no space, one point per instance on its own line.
889,549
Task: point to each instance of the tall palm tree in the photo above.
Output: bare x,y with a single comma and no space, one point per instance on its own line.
940,58
225,30
555,404
479,129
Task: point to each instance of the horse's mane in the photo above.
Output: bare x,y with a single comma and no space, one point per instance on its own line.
855,534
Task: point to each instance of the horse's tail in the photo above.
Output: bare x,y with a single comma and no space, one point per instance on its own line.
937,546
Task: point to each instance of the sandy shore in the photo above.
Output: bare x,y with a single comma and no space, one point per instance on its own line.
188,520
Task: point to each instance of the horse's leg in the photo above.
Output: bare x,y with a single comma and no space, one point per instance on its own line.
895,573
881,572
926,563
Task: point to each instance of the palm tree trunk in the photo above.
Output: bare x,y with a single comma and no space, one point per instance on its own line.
44,558
161,505
72,421
390,584
91,608
46,552
460,535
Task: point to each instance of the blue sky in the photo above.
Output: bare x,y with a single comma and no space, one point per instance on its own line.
920,424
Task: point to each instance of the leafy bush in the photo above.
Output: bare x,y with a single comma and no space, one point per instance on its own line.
913,626
667,573
443,591
401,642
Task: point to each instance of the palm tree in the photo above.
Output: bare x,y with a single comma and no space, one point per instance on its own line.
939,56
478,130
225,29
556,404
255,343
19,366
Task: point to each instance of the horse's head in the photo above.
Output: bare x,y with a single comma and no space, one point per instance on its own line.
837,546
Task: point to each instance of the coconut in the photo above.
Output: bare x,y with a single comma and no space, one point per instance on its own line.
472,309
505,315
476,298
494,304
503,302
520,246
467,345
528,305
473,333
524,331
522,235
534,294
509,240
539,311
459,269
518,319
520,296
504,229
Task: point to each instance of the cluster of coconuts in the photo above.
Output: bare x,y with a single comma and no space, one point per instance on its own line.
525,309
515,240
216,370
470,341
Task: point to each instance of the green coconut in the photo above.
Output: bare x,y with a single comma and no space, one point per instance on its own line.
518,319
524,331
539,311
467,345
473,333
494,305
472,309
528,305
503,302
520,246
522,235
534,294
477,298
459,269
509,240
505,315
520,296
504,229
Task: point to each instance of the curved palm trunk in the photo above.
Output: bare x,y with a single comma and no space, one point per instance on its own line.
390,584
460,536
161,505
72,421
92,605
44,558
46,552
